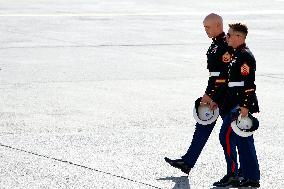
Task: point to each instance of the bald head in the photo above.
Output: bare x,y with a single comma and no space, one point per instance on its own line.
213,25
214,18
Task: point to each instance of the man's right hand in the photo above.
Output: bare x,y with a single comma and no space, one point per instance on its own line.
206,99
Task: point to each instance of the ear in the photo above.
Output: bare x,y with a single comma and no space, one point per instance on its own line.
217,24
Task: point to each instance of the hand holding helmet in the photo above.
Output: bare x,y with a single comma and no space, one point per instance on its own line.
203,114
244,111
244,126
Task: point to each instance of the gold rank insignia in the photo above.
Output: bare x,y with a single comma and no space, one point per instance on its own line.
245,69
226,58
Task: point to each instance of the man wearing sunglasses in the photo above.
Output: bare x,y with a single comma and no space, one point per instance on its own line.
240,96
218,59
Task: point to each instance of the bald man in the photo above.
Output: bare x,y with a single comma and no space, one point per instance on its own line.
218,58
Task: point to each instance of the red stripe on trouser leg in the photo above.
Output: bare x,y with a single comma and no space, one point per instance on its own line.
233,166
229,147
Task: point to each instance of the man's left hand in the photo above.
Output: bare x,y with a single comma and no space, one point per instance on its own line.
244,111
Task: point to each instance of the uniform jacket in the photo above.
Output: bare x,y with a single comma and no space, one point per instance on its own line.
242,69
218,58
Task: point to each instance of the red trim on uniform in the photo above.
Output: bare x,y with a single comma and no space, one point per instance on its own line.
229,147
233,166
228,141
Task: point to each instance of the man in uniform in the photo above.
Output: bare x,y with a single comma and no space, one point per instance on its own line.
240,99
218,59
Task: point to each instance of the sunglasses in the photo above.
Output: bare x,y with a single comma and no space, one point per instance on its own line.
230,35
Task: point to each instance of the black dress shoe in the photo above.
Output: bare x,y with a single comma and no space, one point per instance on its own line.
249,183
178,163
230,179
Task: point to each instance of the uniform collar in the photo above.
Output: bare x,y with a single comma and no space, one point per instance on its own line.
240,47
220,36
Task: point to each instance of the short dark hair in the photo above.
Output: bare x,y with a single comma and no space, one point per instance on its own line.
239,27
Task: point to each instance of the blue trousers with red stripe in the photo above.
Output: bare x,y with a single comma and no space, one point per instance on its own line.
200,137
248,158
246,149
228,140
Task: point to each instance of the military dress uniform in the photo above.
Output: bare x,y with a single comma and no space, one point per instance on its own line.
240,93
218,59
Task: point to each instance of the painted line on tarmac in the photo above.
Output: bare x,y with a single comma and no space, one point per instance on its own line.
78,165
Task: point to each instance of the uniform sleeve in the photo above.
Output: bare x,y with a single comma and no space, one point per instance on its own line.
210,89
247,70
219,94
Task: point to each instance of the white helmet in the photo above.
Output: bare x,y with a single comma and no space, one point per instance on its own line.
245,126
203,114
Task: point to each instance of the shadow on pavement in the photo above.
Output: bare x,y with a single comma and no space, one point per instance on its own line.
180,182
215,187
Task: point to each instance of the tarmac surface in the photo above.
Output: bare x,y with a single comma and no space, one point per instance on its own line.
94,94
